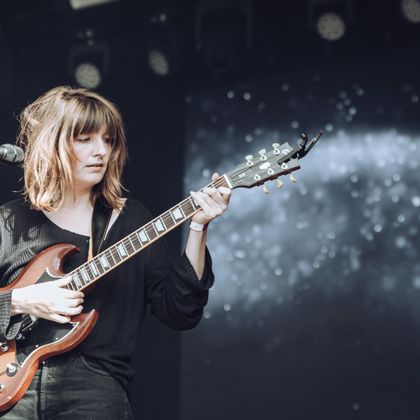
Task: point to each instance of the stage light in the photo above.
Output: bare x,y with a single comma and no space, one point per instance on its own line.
411,10
89,64
330,18
331,26
224,33
162,42
158,62
87,75
82,4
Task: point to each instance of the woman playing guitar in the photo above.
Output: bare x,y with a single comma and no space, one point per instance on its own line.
75,152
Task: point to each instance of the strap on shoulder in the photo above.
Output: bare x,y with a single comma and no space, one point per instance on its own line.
100,221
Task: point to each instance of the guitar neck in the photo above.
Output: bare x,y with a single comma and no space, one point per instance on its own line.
117,254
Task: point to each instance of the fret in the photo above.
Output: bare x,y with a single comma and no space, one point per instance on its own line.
90,273
168,221
194,205
80,277
159,225
142,235
178,214
84,274
224,182
99,265
172,216
71,285
110,258
187,208
77,281
151,232
104,261
115,255
121,250
135,241
129,244
93,268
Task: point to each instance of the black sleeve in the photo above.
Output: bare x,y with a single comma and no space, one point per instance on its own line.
176,295
9,326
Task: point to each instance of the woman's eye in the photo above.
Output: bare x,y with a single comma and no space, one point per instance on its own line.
83,139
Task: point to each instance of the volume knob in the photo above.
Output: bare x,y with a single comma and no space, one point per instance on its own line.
11,369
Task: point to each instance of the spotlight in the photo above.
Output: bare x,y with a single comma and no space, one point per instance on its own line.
331,26
411,10
158,62
162,41
330,18
88,64
87,75
82,4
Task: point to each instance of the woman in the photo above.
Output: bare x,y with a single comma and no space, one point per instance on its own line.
74,155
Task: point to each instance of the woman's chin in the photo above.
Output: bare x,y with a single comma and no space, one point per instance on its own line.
88,182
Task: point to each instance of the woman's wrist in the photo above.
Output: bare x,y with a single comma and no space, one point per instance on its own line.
198,227
16,306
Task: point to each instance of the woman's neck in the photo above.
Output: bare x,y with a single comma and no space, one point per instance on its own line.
79,199
75,213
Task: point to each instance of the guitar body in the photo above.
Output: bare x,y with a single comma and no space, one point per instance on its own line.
20,358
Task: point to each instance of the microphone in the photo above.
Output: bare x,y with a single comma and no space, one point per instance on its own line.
9,153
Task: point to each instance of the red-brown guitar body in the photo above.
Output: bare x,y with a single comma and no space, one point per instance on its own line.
19,359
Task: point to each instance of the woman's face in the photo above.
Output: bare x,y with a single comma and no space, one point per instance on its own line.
92,152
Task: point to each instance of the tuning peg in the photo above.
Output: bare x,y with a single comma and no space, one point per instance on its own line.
276,148
279,183
292,178
262,152
265,189
248,159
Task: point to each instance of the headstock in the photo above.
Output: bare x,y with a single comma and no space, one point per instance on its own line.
282,159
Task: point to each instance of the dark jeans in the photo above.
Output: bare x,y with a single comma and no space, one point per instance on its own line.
69,387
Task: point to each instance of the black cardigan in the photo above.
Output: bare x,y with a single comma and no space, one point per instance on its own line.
174,292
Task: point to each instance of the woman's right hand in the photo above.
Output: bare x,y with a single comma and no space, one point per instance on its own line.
50,300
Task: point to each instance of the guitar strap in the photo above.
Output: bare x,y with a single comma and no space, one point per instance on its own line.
100,220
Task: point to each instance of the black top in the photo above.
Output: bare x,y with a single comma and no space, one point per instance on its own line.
176,295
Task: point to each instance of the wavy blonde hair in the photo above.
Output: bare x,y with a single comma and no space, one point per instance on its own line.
47,129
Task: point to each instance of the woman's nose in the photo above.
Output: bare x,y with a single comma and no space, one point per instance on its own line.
100,146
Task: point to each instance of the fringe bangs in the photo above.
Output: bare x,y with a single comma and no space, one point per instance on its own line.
48,127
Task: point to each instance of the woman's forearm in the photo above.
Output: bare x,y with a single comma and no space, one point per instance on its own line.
196,251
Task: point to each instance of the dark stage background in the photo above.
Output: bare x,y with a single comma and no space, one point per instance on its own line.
315,311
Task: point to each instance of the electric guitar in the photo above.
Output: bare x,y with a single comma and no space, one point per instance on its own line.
39,339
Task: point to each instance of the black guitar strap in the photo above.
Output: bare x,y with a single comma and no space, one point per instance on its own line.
100,222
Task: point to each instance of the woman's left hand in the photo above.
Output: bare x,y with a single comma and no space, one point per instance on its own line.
213,202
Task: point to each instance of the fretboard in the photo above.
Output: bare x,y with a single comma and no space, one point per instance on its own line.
135,242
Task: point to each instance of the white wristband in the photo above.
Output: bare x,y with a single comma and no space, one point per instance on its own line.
198,227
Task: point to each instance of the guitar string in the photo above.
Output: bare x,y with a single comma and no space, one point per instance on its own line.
219,182
27,320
